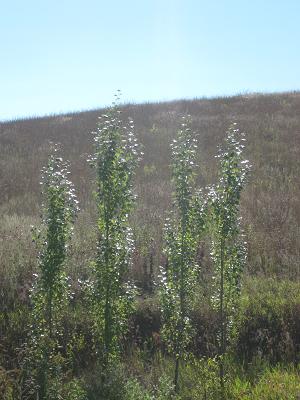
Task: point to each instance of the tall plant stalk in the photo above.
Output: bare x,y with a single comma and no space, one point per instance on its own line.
228,247
181,236
115,160
49,293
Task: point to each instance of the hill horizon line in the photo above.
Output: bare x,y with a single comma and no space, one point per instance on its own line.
162,102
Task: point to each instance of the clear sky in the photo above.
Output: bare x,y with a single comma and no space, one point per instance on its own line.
69,55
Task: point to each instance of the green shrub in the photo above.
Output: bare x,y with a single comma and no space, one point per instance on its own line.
105,384
66,390
276,384
268,324
134,391
9,387
164,390
200,379
146,325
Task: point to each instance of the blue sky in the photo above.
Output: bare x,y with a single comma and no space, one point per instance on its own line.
60,56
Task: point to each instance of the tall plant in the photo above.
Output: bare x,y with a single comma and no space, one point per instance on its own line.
228,247
182,231
115,160
49,292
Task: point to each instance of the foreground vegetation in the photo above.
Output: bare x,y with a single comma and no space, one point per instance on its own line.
262,365
97,336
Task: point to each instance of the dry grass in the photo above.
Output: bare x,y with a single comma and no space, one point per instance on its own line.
270,204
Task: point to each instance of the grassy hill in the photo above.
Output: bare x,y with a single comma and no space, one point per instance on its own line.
270,205
268,323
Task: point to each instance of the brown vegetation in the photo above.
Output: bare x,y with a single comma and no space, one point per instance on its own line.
270,205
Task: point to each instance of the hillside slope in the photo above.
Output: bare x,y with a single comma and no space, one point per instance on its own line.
270,204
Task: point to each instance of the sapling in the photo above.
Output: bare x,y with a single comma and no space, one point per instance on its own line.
228,247
115,160
182,231
50,288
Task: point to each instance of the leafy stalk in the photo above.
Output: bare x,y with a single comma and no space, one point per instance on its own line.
49,292
182,230
115,160
228,247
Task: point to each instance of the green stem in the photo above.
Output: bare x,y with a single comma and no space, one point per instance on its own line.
176,386
222,317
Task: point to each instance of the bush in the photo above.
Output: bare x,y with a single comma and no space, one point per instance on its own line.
200,379
106,384
70,390
163,391
134,391
146,321
9,389
269,321
274,384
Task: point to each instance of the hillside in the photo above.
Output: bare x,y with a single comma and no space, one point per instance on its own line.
267,321
270,206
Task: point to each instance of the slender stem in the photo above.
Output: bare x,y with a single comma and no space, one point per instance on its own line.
176,386
107,310
50,313
222,322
